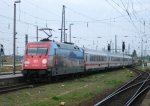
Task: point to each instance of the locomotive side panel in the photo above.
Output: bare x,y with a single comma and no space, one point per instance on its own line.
51,56
68,61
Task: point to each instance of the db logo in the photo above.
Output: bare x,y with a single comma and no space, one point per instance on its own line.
35,61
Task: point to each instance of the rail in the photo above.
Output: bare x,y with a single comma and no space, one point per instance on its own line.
132,88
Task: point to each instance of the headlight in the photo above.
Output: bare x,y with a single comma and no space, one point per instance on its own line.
44,61
26,62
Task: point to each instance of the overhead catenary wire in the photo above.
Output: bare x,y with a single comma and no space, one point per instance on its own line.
5,32
26,13
44,9
81,14
20,21
118,4
93,20
130,21
46,20
43,19
133,12
27,23
130,17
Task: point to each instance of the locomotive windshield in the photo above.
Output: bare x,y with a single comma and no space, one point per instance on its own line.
37,51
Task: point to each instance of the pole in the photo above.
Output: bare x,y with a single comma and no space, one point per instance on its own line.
70,32
17,53
96,47
14,41
123,59
142,53
142,48
115,43
14,38
64,22
110,45
63,39
129,48
37,33
26,39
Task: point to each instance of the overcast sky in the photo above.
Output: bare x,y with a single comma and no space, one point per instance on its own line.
91,19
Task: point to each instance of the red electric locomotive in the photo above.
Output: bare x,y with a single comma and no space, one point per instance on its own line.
51,59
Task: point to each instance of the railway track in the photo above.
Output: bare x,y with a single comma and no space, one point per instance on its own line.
22,85
6,89
131,93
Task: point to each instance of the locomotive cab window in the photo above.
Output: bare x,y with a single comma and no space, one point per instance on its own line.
37,51
31,51
41,51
